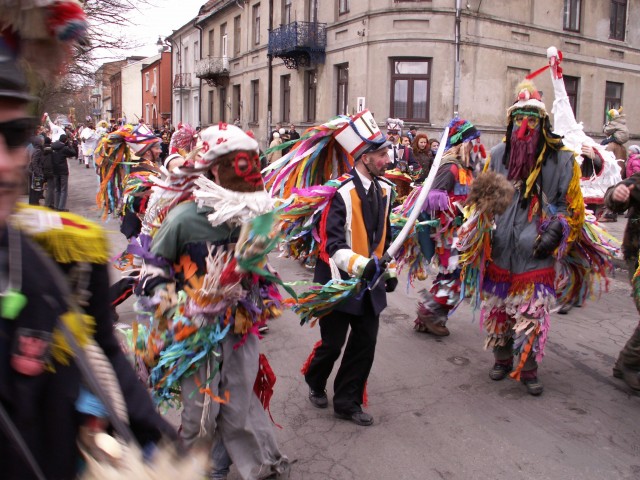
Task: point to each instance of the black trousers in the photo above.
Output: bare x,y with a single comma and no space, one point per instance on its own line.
357,360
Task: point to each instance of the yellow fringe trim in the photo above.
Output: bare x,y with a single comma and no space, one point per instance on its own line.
575,204
81,325
65,236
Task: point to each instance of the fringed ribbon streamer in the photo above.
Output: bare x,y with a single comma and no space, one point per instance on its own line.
264,384
307,362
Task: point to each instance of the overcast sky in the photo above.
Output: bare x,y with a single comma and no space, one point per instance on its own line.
151,21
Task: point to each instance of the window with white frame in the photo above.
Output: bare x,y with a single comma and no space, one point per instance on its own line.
146,81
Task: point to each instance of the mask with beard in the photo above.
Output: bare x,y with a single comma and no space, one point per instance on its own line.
524,145
240,172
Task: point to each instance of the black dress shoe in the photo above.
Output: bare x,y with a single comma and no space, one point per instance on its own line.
359,418
318,399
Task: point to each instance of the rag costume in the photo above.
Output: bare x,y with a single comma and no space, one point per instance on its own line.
516,275
206,290
443,210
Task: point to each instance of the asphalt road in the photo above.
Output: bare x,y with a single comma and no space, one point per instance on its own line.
437,413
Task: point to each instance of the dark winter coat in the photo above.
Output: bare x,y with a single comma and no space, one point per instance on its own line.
47,161
35,164
61,152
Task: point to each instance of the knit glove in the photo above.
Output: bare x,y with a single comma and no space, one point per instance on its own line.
548,240
391,284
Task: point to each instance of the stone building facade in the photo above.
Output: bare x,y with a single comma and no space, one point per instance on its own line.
419,60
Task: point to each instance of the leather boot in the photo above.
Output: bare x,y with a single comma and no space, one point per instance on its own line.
534,387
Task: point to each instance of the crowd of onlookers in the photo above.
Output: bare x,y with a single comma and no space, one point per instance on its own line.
54,145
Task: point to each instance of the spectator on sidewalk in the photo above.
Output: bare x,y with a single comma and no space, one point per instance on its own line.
36,175
47,171
61,153
274,155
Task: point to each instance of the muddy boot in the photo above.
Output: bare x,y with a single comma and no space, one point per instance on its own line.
500,371
529,377
503,355
534,387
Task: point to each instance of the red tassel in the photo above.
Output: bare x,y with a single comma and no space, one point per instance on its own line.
365,396
263,387
305,366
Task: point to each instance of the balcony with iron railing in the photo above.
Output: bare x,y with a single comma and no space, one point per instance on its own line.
182,80
299,44
213,70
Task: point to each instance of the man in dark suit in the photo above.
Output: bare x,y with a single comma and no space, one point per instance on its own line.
357,233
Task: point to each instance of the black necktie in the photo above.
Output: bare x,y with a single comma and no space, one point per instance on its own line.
372,196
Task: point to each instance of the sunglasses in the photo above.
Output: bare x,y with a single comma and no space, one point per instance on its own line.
18,132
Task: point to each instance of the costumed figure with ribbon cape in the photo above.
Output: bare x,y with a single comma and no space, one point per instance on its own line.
205,293
441,214
510,260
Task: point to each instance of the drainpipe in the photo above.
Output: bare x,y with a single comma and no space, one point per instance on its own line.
195,24
270,79
456,66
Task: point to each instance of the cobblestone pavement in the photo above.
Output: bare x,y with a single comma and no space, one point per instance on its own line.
437,413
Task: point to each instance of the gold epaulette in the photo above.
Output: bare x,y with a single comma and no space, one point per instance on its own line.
65,236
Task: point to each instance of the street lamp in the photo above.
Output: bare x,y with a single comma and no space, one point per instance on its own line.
163,45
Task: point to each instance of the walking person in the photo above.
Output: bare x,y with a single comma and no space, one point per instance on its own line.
220,323
357,233
47,171
89,138
36,173
61,152
545,213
